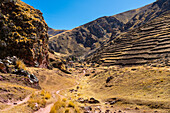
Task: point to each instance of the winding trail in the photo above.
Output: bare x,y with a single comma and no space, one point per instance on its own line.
47,109
13,104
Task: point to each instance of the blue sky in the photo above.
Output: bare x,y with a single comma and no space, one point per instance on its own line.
68,14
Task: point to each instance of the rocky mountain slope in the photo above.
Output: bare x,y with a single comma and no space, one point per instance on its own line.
148,44
23,33
86,37
53,32
155,10
92,35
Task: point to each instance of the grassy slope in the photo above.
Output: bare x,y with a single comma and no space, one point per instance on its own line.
145,87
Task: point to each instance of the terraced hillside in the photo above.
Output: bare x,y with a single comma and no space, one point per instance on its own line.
148,44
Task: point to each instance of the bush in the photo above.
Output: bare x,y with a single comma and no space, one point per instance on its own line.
71,104
62,106
42,93
53,110
38,100
20,64
42,103
32,104
67,110
47,95
64,100
56,106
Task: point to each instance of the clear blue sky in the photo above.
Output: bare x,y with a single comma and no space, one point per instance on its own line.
68,14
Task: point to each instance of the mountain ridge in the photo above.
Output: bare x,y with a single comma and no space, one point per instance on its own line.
92,35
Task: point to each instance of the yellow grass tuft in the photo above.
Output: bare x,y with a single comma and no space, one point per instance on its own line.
20,64
71,104
64,106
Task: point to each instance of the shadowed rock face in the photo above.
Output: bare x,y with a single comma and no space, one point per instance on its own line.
83,39
86,37
23,33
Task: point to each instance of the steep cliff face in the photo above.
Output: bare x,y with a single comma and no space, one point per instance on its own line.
23,33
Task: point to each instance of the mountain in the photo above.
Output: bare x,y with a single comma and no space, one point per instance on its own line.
52,32
82,39
86,37
23,33
92,35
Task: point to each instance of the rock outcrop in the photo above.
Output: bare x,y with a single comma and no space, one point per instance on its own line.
23,33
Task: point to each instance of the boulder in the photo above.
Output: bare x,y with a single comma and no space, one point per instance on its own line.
93,101
2,67
109,79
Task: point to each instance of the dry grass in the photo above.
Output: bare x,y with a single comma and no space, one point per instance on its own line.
53,80
12,93
145,86
65,106
50,81
39,100
20,64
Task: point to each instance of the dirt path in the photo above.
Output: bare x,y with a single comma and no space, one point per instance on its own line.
47,109
13,104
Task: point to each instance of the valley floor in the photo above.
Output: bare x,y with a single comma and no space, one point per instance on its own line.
137,89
